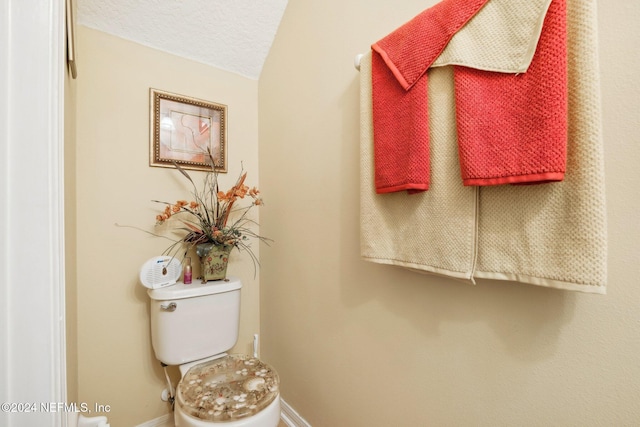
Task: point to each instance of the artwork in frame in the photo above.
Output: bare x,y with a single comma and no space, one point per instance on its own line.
184,128
71,39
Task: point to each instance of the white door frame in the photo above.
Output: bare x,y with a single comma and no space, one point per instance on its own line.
32,308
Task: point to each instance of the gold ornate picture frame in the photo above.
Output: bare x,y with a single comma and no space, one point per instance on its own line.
183,128
71,38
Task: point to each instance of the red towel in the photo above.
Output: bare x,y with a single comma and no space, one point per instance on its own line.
400,114
513,128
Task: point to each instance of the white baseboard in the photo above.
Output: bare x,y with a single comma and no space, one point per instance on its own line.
287,414
163,421
290,417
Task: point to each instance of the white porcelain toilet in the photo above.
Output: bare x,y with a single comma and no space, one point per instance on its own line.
193,326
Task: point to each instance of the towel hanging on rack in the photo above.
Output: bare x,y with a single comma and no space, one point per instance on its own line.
399,65
512,128
546,235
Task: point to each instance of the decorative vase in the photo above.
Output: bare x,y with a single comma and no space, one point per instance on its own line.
213,260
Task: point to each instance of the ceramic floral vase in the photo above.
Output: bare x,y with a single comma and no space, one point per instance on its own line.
213,260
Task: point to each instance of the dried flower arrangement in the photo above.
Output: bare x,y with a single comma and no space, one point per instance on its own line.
213,217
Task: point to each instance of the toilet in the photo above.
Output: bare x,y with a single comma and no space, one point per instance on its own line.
193,326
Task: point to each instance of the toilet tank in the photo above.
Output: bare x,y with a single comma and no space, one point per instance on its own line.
195,321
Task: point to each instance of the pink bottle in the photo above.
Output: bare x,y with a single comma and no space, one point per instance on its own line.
187,271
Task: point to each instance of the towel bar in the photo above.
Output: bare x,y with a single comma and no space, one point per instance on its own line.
356,61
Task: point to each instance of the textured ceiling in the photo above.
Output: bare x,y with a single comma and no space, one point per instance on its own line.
233,35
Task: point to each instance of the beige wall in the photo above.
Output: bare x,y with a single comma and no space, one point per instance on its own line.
116,365
355,343
360,344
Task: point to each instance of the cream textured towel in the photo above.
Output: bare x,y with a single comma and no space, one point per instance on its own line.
551,235
501,37
433,230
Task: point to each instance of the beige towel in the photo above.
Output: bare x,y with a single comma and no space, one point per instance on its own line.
501,37
552,235
433,230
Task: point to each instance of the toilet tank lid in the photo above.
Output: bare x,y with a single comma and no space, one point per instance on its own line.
180,290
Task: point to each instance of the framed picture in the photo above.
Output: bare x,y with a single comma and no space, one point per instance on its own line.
184,129
71,39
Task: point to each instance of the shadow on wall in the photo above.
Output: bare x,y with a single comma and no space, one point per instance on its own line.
527,319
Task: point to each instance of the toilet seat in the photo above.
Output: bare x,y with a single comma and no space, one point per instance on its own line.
227,389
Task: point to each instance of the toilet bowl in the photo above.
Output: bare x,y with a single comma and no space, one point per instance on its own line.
234,390
268,417
193,326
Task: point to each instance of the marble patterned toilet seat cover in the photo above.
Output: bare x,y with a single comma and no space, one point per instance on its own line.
230,388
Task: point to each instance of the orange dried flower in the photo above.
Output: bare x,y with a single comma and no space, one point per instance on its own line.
241,191
212,216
